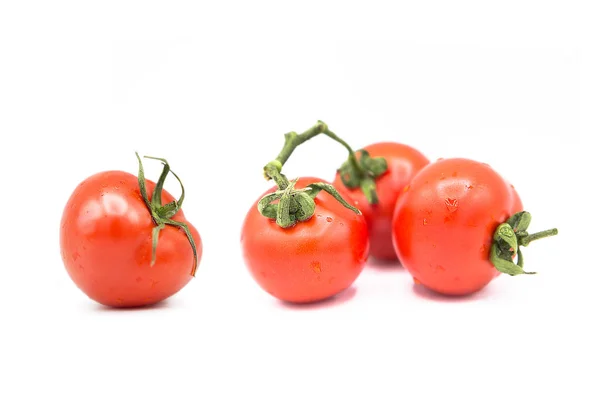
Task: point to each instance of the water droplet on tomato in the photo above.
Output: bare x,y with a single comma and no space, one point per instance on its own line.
451,204
329,219
469,186
425,221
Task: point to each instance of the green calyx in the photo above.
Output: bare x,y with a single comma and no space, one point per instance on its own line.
508,239
296,205
162,214
363,173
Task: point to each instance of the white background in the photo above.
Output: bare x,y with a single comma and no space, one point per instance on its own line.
212,89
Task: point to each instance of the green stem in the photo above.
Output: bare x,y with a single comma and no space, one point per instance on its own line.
358,169
273,171
161,214
296,205
538,235
351,153
292,140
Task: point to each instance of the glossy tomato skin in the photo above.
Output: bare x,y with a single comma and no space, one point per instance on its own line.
403,164
444,223
106,247
311,261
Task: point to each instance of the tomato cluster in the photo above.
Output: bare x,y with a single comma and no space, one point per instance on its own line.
454,224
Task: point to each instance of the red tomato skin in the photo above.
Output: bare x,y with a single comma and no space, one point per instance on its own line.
403,164
312,260
106,244
444,224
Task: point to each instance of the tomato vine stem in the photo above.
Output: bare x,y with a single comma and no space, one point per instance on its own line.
295,205
354,172
538,235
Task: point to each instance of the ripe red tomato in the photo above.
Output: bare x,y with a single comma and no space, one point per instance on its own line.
312,260
403,163
106,243
444,224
